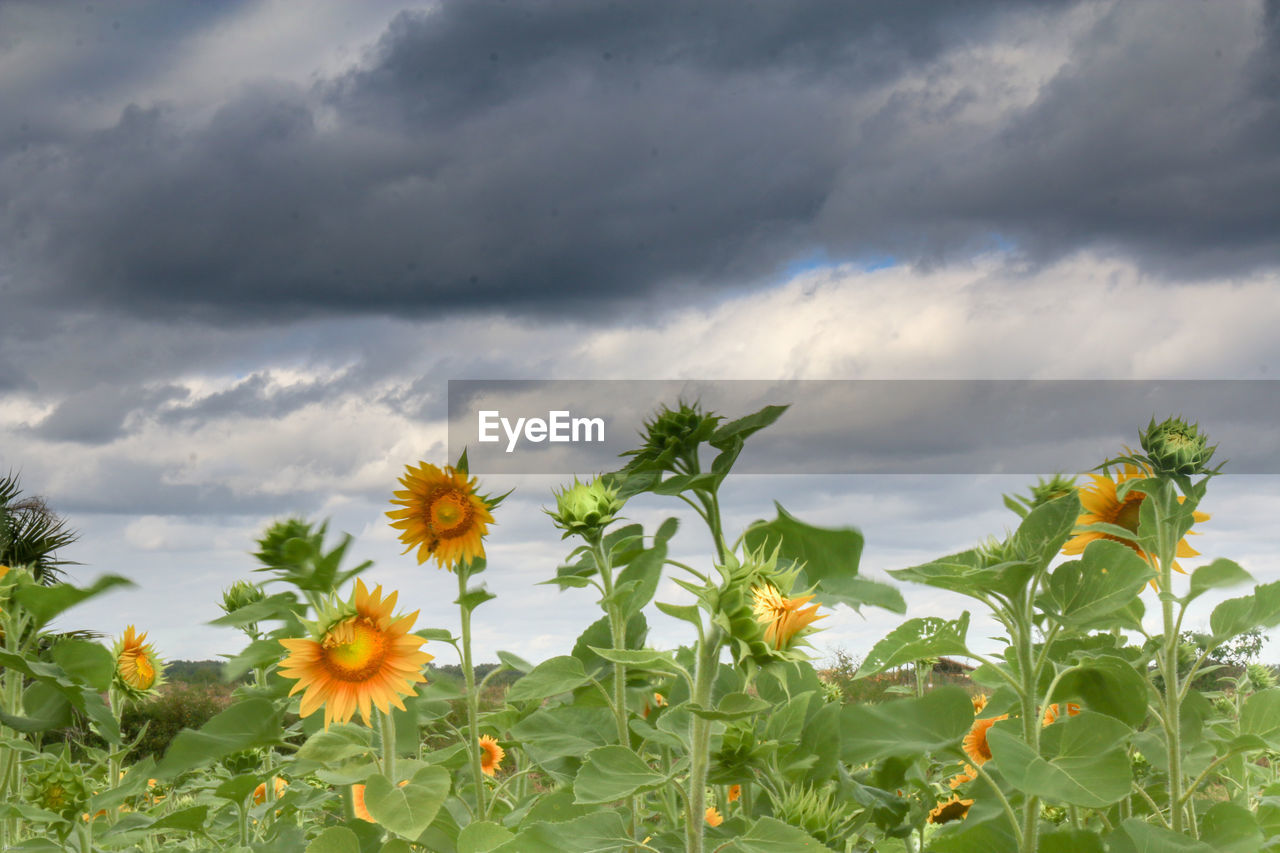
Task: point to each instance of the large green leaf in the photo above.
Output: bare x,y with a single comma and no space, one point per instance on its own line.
1104,580
1231,828
830,558
482,836
45,706
599,832
966,573
1260,716
407,810
1219,574
600,635
44,603
1082,761
552,676
83,698
610,773
565,732
769,835
1106,684
1237,615
1046,528
905,727
86,662
1137,836
638,581
335,839
915,639
247,724
732,706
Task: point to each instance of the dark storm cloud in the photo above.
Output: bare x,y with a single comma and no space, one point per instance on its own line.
100,414
560,156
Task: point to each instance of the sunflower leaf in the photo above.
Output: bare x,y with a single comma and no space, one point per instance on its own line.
610,773
549,678
43,603
905,727
407,810
925,637
1217,575
1105,579
1082,761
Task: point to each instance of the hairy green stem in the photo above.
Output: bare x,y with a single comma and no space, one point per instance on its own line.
473,699
389,746
700,740
618,636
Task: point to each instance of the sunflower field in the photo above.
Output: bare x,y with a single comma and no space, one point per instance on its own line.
1090,729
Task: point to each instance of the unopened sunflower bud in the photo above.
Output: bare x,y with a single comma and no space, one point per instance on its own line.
586,509
1177,448
241,594
61,789
672,437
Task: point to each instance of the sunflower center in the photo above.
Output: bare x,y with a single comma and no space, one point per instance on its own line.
1127,515
354,650
449,513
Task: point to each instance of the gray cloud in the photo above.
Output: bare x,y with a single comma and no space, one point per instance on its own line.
544,158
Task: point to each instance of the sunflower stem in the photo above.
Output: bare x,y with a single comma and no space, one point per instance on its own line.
618,636
700,739
473,699
388,731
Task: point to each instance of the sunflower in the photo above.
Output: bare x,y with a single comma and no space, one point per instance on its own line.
1051,711
358,808
979,703
442,515
260,792
491,755
366,657
713,817
975,742
784,617
735,793
138,669
970,773
953,809
1101,504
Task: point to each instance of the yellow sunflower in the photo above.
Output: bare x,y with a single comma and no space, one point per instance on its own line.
713,817
442,515
491,755
979,702
137,666
784,617
358,808
735,793
260,792
364,659
968,775
975,742
953,809
1101,504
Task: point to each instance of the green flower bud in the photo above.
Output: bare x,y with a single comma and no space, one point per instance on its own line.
61,789
241,594
673,436
1176,448
288,543
586,509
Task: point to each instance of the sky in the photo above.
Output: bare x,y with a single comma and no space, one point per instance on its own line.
245,246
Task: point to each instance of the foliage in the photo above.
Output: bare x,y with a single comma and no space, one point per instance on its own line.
1098,724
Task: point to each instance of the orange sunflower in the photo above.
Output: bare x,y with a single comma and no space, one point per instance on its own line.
365,658
138,669
713,817
784,617
358,808
975,742
442,515
1051,712
1101,504
953,809
735,793
491,755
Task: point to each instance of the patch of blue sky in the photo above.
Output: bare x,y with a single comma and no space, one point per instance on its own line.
819,259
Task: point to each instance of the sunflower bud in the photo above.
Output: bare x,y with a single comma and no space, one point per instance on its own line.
755,608
61,789
672,436
287,543
586,509
241,594
1176,448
